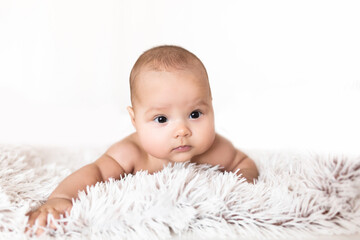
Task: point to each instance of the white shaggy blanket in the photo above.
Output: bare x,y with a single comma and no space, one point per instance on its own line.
295,195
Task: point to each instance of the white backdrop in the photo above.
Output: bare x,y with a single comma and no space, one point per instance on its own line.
284,74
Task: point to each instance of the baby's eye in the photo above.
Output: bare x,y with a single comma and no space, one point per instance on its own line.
160,119
195,114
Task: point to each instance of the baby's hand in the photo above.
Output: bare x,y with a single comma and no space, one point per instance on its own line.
55,206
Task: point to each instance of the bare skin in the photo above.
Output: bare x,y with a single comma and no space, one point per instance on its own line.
174,122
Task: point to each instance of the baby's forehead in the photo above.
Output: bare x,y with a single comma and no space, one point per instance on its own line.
196,70
164,85
151,81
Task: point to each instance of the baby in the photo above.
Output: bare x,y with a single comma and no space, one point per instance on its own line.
173,116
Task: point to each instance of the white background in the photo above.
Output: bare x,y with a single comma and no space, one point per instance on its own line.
284,74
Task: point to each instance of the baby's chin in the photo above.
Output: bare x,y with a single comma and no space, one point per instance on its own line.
181,158
180,161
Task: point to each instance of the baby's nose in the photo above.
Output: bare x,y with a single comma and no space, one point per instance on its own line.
182,131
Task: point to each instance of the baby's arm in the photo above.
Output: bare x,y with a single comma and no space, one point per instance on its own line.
245,165
60,200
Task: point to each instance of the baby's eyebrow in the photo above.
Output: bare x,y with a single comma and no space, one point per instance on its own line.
155,109
200,103
196,103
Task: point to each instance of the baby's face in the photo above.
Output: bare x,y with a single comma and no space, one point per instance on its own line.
173,114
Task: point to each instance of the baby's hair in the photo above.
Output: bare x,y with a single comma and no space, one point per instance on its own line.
163,58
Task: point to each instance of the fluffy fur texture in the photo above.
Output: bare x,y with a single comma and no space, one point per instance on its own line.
295,195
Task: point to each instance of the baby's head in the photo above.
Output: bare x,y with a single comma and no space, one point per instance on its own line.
171,104
165,58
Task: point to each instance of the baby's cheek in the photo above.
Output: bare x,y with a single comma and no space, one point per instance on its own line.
207,136
153,143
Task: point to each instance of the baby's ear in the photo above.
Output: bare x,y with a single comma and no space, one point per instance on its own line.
132,115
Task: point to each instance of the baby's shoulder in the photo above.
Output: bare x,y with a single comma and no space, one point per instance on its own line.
127,152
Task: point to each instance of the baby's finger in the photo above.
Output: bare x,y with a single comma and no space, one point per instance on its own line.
42,218
32,217
67,211
56,215
39,231
41,222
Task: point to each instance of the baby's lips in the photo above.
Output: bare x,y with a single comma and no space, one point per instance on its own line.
182,148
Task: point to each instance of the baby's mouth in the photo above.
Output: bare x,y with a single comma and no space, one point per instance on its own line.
183,148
